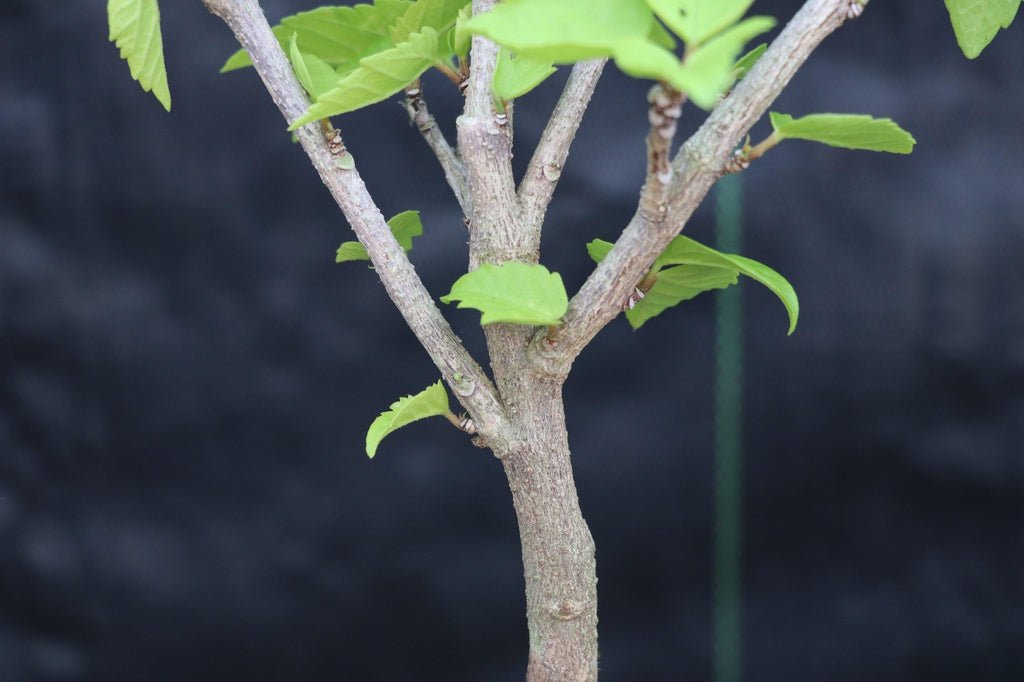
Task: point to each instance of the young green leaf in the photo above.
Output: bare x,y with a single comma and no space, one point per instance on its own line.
675,284
708,71
697,20
850,131
431,402
340,36
378,77
404,226
685,251
461,39
745,63
564,31
135,29
512,292
316,75
515,76
976,22
439,15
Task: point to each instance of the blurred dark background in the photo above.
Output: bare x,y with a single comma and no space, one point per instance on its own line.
186,378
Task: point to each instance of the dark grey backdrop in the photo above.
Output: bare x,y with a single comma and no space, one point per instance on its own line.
186,378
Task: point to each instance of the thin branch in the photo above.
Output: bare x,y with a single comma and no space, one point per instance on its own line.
699,164
666,106
467,380
538,185
485,144
420,116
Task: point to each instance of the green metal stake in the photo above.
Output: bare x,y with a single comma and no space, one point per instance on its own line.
728,487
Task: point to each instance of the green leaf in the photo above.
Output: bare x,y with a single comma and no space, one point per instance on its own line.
564,31
685,251
316,75
461,39
439,15
512,292
697,20
976,22
135,29
431,402
404,226
340,36
677,284
515,76
708,72
745,63
378,77
850,131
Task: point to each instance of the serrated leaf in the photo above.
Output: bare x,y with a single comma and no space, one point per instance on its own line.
431,402
708,71
378,77
697,20
404,226
514,75
439,15
849,131
976,22
675,285
687,253
315,75
340,36
564,31
745,63
513,292
135,29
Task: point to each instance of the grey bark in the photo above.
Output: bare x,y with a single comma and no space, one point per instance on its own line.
520,416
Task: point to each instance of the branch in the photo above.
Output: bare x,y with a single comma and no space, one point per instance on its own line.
467,380
697,167
538,185
420,116
485,143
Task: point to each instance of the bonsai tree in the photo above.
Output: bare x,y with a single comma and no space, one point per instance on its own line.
697,54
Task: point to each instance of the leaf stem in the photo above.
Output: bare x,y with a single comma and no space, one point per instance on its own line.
450,73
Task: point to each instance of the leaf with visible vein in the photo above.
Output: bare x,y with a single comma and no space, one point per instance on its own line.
512,292
697,20
708,71
431,402
340,36
515,75
675,285
439,15
315,75
404,226
135,29
849,131
378,77
685,252
976,22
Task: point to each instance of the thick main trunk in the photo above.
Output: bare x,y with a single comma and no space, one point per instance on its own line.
558,549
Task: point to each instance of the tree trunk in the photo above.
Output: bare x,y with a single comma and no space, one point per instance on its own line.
558,549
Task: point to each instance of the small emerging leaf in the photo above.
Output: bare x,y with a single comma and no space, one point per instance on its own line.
431,402
404,226
976,22
512,292
315,75
515,76
745,63
849,131
461,39
378,77
135,29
